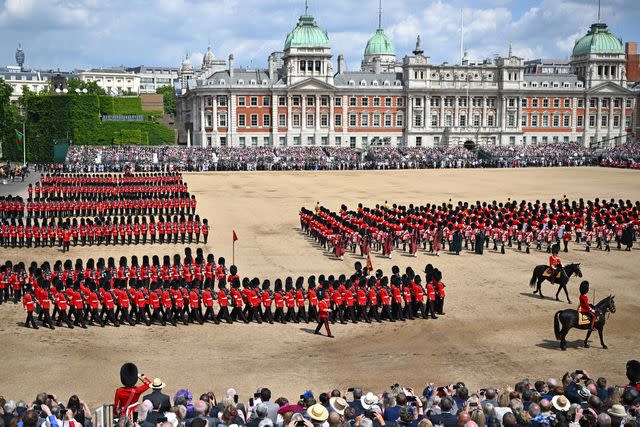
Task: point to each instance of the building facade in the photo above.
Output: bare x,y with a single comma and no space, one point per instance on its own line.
114,81
299,99
153,78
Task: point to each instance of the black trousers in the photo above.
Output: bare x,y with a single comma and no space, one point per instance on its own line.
30,321
431,309
224,314
323,321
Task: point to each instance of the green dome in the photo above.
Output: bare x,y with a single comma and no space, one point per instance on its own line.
307,34
598,40
379,44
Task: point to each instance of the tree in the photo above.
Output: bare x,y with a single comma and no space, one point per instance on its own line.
9,119
91,87
168,99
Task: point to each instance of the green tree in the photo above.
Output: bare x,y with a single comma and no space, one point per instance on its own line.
168,98
9,119
91,87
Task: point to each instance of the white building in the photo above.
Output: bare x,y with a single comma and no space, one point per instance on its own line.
152,78
114,81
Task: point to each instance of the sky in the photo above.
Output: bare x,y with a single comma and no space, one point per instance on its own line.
80,34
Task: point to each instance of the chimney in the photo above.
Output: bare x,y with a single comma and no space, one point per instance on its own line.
341,65
272,66
377,65
231,65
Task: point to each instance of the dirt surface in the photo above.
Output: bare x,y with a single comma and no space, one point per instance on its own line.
495,332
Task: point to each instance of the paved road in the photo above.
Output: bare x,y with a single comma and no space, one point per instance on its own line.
18,188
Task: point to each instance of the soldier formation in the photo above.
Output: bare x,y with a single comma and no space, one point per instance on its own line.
198,290
524,225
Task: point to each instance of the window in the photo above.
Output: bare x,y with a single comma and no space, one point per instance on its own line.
364,120
266,101
512,140
254,141
616,103
511,102
324,140
282,101
463,120
476,120
242,101
627,122
435,102
524,102
448,102
324,120
399,120
417,121
580,121
318,65
310,120
353,120
242,120
448,120
491,119
511,120
338,141
338,120
556,121
580,103
310,101
556,103
387,121
545,139
434,120
254,101
296,101
491,102
376,102
534,102
353,101
282,120
296,140
545,121
311,140
338,101
376,120
534,139
592,121
296,120
592,103
324,101
567,103
628,102
603,121
387,102
208,124
254,120
222,120
534,120
400,102
283,141
436,140
605,103
616,121
365,101
417,102
523,120
566,121
352,142
266,120
303,65
545,103
555,139
462,102
266,141
418,141
243,141
222,101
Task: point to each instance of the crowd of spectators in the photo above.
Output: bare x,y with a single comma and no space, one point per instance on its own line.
575,400
162,158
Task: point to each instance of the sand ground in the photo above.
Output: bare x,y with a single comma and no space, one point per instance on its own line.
494,331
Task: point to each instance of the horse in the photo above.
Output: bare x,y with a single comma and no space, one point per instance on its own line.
569,319
538,277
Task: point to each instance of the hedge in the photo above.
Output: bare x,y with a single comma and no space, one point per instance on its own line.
111,106
51,117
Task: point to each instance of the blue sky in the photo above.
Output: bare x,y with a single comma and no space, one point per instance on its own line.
70,34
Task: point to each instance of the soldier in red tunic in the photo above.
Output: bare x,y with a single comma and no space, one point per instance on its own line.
585,308
323,316
129,394
29,306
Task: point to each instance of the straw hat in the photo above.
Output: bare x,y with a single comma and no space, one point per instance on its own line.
338,404
318,412
368,399
561,403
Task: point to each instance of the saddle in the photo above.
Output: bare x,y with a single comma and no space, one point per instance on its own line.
583,319
550,273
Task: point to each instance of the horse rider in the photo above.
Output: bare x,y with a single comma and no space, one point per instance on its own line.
585,308
555,264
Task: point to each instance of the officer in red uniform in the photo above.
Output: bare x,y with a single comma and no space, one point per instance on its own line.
586,308
223,301
129,394
29,306
323,316
555,264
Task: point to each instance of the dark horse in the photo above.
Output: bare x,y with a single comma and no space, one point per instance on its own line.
538,277
569,319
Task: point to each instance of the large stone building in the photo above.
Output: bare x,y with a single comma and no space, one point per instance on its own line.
300,99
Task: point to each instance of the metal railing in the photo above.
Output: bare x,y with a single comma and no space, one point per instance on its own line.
103,416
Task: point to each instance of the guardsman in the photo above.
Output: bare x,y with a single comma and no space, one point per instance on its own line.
279,300
555,264
223,301
29,306
431,301
207,300
267,301
586,308
323,316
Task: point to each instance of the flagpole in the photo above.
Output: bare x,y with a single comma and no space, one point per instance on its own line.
24,144
233,260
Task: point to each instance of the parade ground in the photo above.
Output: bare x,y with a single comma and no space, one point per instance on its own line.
494,328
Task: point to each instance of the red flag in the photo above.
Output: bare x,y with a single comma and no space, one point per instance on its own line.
369,264
235,236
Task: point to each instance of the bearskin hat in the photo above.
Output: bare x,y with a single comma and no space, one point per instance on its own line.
584,287
129,375
633,371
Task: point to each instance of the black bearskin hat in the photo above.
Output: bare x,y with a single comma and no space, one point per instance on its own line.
584,287
129,375
633,372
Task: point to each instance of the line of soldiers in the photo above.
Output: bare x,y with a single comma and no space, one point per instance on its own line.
185,291
100,230
506,224
108,179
